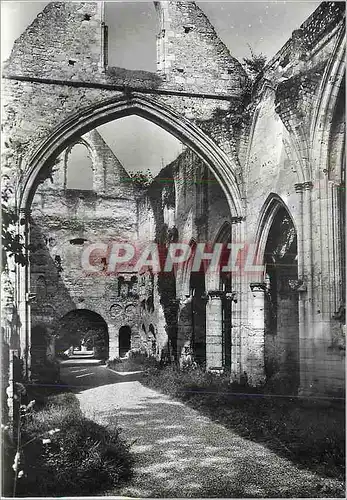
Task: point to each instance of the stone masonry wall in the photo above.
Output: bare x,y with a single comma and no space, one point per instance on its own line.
64,222
279,147
280,158
190,54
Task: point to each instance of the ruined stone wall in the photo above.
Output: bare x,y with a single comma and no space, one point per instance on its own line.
64,223
191,55
63,41
188,206
278,147
283,161
67,74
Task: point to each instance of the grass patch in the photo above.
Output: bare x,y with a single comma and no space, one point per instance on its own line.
310,433
80,458
135,362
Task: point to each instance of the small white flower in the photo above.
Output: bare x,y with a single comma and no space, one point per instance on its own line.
16,461
20,474
46,441
31,404
20,388
53,431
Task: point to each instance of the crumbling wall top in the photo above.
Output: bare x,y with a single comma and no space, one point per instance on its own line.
64,41
191,54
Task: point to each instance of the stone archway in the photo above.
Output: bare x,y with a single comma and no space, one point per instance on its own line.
124,340
281,308
86,119
85,330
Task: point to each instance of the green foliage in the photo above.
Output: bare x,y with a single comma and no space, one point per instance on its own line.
255,64
141,179
63,453
13,244
136,361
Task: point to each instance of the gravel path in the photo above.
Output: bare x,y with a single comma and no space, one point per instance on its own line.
180,453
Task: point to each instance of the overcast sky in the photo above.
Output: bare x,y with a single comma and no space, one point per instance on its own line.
263,26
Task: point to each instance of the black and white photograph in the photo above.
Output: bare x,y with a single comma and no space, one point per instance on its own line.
173,270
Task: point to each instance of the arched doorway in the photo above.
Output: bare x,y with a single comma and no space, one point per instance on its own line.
85,120
281,310
124,340
84,331
198,305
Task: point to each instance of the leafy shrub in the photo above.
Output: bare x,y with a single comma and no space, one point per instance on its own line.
255,64
67,454
141,179
136,361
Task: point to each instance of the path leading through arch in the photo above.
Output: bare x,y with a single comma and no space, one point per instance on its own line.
180,453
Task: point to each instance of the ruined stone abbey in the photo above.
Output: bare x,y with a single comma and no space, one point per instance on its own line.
263,164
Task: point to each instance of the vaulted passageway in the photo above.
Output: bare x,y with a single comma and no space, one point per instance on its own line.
151,196
68,90
82,330
281,301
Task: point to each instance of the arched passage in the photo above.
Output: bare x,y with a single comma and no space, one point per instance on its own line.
83,330
124,340
198,305
281,311
87,119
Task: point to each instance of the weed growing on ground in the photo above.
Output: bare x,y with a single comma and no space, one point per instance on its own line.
135,361
63,453
310,433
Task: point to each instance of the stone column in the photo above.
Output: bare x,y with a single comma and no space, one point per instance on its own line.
239,303
214,327
255,367
184,325
305,277
113,341
23,294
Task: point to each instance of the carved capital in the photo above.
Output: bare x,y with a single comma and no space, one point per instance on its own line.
237,220
30,297
258,287
303,186
297,285
215,294
231,296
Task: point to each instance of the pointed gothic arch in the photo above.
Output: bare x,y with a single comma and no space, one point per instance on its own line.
267,215
278,250
223,168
